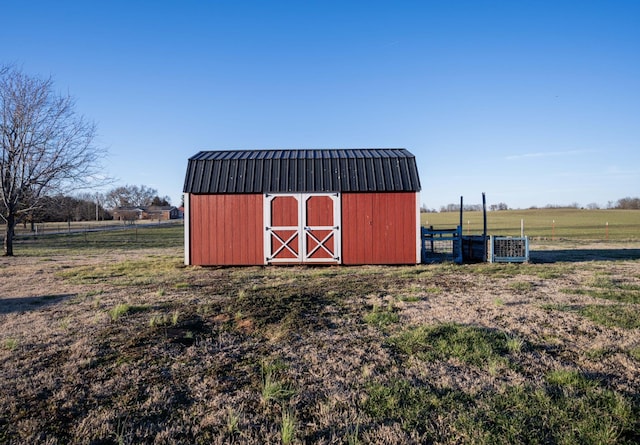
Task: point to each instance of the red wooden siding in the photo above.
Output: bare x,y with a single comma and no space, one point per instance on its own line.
226,229
379,228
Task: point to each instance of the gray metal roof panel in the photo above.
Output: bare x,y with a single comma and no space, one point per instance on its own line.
273,171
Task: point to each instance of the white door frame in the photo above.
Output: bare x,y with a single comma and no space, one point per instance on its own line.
302,232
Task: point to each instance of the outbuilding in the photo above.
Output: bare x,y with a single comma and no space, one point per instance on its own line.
339,206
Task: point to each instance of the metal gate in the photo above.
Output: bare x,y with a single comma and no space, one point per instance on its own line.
302,228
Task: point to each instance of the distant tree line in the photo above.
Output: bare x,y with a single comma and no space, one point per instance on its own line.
92,207
623,204
628,203
466,208
60,208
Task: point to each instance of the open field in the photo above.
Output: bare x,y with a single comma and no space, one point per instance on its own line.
114,341
576,224
62,228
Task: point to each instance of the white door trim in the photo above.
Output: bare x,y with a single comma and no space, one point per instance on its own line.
302,232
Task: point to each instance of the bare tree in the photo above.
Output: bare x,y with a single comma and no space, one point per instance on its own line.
628,203
130,196
46,146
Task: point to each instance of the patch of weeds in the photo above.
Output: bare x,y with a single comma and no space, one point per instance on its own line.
152,270
159,320
415,407
570,378
124,308
182,286
444,269
521,286
288,426
498,301
599,353
555,307
273,386
410,272
551,272
603,286
499,270
635,353
602,281
409,298
626,317
65,323
621,316
118,311
382,317
121,431
10,344
569,408
83,296
515,344
233,421
472,345
205,309
569,411
352,435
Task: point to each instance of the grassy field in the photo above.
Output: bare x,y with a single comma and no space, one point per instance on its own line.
576,224
91,238
114,341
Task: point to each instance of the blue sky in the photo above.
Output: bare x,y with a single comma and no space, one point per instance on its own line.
533,102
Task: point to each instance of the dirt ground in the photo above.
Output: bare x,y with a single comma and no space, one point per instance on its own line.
187,361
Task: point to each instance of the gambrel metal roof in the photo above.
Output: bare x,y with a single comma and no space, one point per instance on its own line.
278,171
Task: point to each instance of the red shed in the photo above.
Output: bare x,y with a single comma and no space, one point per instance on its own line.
352,206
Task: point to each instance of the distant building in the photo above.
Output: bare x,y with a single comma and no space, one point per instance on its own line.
158,213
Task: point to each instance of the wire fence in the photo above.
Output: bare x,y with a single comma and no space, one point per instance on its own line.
78,236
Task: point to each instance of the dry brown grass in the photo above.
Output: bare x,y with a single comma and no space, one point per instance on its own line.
72,373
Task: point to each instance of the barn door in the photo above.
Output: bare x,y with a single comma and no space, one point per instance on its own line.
302,228
321,228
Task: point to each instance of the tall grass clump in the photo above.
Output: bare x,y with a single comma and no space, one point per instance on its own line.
233,421
10,344
288,426
122,309
273,386
118,311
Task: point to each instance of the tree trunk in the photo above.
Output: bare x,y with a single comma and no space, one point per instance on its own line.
8,236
